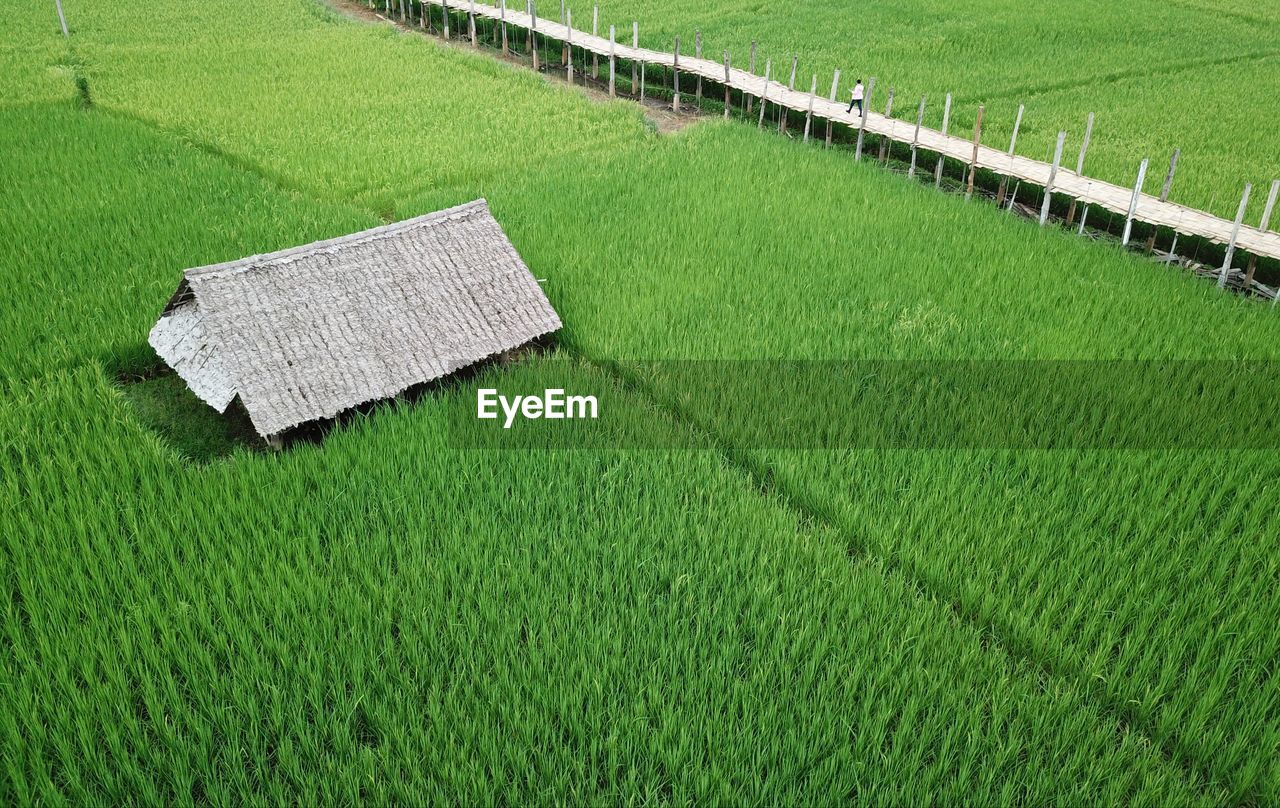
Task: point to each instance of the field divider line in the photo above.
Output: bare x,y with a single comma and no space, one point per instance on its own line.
280,182
1150,209
1029,91
234,160
1011,642
1243,16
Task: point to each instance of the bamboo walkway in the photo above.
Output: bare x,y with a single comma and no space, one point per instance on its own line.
1056,178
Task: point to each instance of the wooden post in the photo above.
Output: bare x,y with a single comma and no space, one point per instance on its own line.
697,54
1172,249
595,31
1084,217
569,44
547,43
1013,196
752,70
1235,233
471,23
783,110
1084,147
1263,225
946,121
911,172
884,141
422,18
502,15
973,163
764,94
808,116
862,120
1013,141
675,79
62,20
533,36
1053,175
636,34
444,11
565,51
528,30
613,45
727,79
1133,202
835,86
635,45
1164,195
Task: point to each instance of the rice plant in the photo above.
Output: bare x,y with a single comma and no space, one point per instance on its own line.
390,615
1051,547
1197,77
417,621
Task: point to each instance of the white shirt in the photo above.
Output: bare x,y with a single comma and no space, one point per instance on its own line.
857,92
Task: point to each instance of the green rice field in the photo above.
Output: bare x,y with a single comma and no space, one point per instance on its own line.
682,607
1196,75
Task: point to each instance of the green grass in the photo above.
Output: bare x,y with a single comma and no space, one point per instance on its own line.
388,614
372,115
418,621
105,214
1049,547
1159,76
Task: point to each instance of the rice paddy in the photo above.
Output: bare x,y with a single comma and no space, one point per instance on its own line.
1197,76
393,614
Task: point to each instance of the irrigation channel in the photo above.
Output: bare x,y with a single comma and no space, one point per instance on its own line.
1134,204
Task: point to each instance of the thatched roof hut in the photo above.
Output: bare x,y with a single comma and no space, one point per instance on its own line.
306,333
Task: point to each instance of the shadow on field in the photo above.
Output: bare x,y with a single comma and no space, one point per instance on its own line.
162,402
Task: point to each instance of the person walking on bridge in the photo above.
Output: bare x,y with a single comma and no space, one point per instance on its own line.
857,97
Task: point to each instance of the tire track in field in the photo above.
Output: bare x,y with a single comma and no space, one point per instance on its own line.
1012,643
1243,16
1028,91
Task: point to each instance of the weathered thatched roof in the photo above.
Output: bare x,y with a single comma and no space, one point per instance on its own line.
309,332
